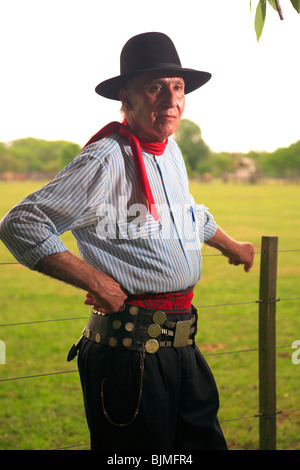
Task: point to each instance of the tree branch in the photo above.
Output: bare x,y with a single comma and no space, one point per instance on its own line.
279,9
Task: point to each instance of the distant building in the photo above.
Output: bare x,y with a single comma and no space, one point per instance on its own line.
246,170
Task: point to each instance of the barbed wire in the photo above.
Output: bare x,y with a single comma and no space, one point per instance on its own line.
43,321
257,415
239,351
72,446
38,375
198,306
203,255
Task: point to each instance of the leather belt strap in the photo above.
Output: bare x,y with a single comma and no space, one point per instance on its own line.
135,326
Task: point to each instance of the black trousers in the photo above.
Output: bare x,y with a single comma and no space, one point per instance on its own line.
179,402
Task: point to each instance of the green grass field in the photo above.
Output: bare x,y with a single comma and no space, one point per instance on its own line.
47,412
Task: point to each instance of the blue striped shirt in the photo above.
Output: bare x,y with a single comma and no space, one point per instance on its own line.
98,197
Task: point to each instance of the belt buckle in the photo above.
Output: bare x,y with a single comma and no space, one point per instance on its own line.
182,333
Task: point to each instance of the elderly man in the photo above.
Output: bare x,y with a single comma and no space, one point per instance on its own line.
126,200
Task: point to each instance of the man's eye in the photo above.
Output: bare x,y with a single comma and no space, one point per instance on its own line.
178,88
155,88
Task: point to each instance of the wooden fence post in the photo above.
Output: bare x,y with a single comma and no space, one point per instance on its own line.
267,343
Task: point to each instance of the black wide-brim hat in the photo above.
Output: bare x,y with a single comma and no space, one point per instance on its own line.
150,52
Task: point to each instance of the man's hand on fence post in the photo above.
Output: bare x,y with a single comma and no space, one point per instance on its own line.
236,252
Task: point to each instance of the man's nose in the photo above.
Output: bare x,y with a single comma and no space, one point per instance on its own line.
170,98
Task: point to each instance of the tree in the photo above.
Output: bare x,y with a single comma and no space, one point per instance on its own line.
5,159
222,162
30,155
67,152
282,163
194,150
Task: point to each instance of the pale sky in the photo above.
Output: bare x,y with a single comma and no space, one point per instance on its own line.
54,53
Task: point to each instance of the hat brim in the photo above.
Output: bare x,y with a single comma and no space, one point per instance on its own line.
193,79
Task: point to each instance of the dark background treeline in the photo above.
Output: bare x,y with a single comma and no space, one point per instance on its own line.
29,156
200,160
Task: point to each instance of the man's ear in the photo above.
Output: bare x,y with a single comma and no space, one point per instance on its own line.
124,98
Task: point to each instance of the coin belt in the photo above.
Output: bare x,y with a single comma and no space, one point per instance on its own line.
137,328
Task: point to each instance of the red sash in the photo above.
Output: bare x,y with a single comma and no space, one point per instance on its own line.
170,302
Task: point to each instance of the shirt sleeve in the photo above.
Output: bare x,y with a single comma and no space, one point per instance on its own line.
210,226
32,229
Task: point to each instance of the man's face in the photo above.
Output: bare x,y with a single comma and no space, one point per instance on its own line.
154,105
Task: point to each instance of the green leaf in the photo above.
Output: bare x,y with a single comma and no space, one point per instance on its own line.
273,4
260,16
296,5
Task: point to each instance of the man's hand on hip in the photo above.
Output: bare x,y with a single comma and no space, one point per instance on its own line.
110,297
107,293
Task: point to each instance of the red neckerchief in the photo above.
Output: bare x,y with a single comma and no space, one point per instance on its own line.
156,148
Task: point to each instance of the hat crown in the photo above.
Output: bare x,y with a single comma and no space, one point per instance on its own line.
148,51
